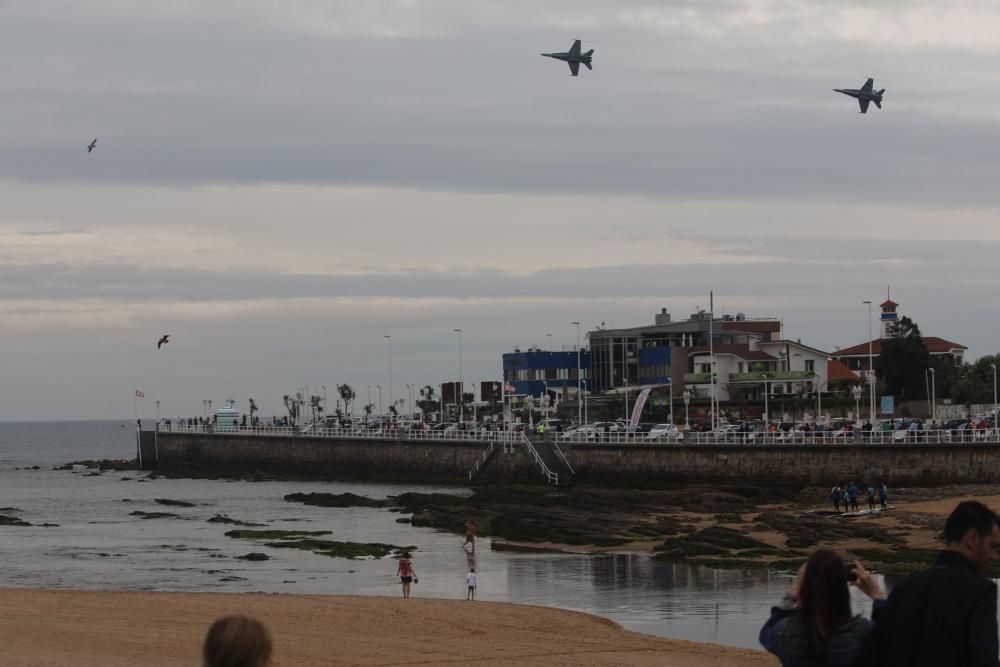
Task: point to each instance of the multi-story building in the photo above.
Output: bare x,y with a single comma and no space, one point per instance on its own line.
537,372
860,357
657,354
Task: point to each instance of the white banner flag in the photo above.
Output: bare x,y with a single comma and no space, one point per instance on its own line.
640,403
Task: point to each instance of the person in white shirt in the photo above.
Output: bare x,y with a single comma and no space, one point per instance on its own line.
470,581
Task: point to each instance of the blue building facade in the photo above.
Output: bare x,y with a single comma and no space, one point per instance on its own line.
536,371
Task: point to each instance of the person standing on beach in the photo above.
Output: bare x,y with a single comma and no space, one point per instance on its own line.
945,615
237,641
470,534
883,496
835,497
470,583
871,498
406,573
852,491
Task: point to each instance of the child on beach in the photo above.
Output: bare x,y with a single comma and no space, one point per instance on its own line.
237,641
406,573
470,582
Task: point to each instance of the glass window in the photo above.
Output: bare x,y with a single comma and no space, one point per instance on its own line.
810,365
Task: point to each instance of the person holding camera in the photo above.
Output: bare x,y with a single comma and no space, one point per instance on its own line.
813,625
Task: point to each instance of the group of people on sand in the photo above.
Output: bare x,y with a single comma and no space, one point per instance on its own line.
408,576
847,497
943,616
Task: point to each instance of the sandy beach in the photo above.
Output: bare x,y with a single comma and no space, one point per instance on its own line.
79,628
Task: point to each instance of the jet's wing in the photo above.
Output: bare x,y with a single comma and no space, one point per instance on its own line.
589,66
574,67
869,84
575,49
863,103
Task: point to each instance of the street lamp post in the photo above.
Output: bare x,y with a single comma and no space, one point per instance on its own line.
856,393
369,401
687,401
586,415
157,411
379,387
996,408
871,368
388,339
579,380
461,382
767,416
549,336
409,396
545,399
933,397
326,410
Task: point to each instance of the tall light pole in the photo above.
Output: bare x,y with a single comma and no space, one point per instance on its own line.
579,380
549,336
461,381
326,410
856,393
409,395
996,409
687,401
586,415
933,396
379,387
767,415
369,401
388,339
871,368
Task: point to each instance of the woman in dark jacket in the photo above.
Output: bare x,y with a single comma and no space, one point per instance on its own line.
813,625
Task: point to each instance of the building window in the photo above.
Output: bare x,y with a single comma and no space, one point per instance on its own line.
522,374
739,367
562,373
810,365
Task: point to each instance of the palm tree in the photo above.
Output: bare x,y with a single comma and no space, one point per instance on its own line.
427,404
347,395
316,405
253,409
368,409
292,405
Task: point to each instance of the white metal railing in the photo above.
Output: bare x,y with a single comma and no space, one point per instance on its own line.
551,477
936,437
620,438
345,433
559,451
483,458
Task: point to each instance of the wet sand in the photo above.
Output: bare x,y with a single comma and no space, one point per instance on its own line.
79,628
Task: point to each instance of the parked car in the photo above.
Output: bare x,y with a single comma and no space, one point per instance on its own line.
662,430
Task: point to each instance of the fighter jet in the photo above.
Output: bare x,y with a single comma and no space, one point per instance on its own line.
92,145
573,57
864,96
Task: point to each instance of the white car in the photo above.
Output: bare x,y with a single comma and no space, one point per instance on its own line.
661,430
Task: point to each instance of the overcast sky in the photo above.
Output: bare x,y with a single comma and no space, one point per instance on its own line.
281,184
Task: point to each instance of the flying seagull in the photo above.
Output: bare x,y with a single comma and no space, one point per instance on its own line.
92,145
165,339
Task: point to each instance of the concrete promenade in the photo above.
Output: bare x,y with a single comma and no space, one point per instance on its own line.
450,458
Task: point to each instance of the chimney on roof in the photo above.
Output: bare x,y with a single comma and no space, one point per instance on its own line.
662,317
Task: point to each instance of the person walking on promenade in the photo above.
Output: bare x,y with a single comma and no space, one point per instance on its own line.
852,492
945,615
237,641
813,625
406,573
470,584
835,496
871,498
883,496
470,534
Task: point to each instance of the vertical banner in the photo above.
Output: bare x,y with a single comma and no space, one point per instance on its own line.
640,403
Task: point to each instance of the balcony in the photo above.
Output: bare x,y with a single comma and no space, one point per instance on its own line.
696,378
772,376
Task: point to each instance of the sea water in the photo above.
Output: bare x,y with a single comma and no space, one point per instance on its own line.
96,543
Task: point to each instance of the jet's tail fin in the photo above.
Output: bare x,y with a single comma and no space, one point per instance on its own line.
877,102
880,93
589,53
587,63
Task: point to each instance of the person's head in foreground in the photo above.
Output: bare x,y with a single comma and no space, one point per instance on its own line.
973,530
824,600
237,641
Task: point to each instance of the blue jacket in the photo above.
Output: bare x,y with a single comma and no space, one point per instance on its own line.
785,637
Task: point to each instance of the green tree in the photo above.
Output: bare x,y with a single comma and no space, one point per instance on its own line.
368,409
903,361
253,409
347,395
427,403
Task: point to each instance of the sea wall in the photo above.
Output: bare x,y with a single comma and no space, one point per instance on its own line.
450,462
199,455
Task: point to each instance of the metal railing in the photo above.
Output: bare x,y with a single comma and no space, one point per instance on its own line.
483,458
843,438
559,451
620,438
551,477
345,433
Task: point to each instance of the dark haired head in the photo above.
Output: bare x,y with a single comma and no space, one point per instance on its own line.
824,601
969,514
237,641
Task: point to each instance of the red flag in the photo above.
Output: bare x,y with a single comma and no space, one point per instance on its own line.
139,394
